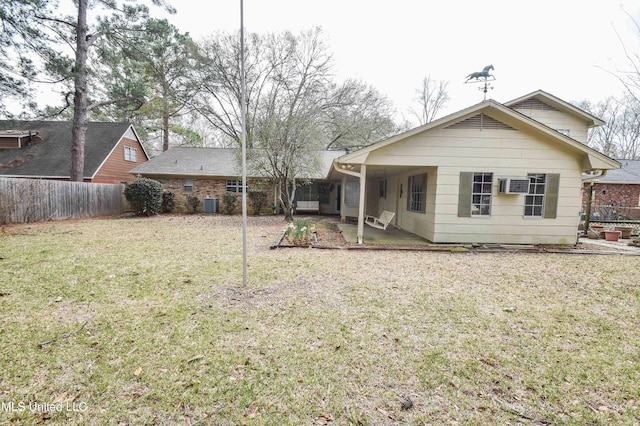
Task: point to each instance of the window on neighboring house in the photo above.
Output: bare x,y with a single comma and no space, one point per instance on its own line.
417,193
534,200
130,154
481,194
187,185
234,185
352,194
566,132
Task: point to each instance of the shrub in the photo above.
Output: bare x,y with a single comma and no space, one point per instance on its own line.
145,196
258,199
229,202
192,203
168,202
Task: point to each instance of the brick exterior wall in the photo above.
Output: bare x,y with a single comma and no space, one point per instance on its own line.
212,188
614,200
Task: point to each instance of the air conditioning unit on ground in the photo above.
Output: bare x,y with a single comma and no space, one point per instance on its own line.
514,185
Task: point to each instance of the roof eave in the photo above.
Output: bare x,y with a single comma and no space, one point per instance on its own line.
594,159
591,120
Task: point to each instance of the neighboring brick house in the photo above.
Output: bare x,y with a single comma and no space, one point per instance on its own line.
42,150
197,172
616,196
210,172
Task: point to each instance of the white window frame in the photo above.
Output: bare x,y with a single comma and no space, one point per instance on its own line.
130,154
481,194
187,185
234,185
417,193
352,194
535,198
566,132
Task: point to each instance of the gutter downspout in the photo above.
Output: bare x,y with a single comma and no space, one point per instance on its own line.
361,177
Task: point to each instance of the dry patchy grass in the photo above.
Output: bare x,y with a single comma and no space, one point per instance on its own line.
145,321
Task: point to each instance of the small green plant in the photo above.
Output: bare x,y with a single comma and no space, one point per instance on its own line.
193,203
258,199
229,202
299,231
168,202
145,196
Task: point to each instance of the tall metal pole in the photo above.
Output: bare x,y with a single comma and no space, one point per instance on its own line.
244,148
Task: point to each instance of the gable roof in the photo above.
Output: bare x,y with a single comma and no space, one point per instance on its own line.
500,115
629,173
542,99
50,157
209,162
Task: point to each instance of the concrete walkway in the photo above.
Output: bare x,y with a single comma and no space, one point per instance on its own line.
621,244
390,236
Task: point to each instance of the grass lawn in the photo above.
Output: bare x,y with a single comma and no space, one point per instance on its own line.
145,321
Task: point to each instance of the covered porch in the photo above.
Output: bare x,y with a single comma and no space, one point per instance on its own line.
370,190
392,236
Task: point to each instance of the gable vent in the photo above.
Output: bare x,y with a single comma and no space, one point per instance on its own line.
479,122
533,104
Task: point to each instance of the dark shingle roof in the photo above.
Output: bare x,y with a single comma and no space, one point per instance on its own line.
51,157
629,173
184,161
209,162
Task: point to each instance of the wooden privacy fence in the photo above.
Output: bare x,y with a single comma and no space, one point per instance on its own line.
34,200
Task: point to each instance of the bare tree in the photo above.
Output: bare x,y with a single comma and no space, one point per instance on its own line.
432,96
629,132
218,76
619,137
287,118
294,108
357,116
603,138
630,77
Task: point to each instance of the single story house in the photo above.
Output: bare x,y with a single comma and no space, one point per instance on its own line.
210,172
42,150
492,173
615,195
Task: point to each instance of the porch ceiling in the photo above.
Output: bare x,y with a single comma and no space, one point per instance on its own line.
374,171
382,171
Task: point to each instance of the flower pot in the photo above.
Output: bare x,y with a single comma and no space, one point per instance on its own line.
598,230
625,230
612,235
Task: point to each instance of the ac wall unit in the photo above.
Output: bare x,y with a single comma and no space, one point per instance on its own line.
517,185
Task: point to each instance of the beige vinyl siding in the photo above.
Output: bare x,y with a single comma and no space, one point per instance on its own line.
418,223
505,153
507,219
559,120
372,198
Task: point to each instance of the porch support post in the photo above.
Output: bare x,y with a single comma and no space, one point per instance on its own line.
363,182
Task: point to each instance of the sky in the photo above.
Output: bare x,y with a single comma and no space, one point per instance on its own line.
568,48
